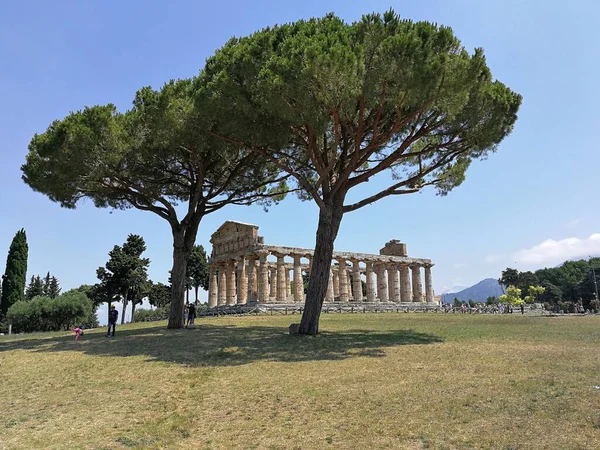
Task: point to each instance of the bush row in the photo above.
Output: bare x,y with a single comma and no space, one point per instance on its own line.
52,314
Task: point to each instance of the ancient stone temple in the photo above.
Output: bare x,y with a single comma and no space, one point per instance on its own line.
243,269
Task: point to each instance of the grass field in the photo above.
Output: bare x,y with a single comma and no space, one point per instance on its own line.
368,381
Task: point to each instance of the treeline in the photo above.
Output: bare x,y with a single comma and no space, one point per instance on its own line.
39,306
570,284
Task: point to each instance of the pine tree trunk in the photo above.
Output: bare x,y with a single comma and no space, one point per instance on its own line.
180,257
124,306
330,219
132,309
187,294
196,290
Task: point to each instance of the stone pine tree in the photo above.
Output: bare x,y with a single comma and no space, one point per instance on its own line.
15,276
153,157
337,105
197,269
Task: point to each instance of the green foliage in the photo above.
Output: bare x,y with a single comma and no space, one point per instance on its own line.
197,269
512,296
492,301
151,315
573,281
152,157
533,293
35,288
551,295
14,278
53,288
457,303
334,104
50,314
159,295
125,275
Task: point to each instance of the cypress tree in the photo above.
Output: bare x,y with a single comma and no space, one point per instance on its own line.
14,279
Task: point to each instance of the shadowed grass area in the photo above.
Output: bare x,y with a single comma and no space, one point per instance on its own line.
368,381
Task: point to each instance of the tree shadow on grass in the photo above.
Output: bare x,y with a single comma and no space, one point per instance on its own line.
227,345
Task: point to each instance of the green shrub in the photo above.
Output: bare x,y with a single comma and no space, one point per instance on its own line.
151,315
50,314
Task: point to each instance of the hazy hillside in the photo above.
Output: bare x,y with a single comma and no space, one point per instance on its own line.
478,292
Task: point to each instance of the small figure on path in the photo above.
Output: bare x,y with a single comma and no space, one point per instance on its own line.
522,309
191,315
113,315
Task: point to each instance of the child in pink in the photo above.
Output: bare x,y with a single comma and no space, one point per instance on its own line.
78,332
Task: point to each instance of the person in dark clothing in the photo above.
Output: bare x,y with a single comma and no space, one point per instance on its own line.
522,309
113,315
191,314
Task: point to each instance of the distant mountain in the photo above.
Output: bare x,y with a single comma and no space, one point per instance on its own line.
478,292
455,288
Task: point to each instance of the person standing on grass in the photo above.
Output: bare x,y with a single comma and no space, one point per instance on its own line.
191,314
113,315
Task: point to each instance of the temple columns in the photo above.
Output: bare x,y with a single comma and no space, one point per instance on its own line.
371,287
336,284
298,281
396,281
263,279
222,297
212,287
343,280
242,293
329,295
382,289
390,282
273,284
231,284
252,279
281,284
405,292
428,285
356,283
288,286
416,283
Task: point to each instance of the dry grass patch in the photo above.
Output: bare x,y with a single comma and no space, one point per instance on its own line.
368,381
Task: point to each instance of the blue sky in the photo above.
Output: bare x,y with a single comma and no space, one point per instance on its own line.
529,205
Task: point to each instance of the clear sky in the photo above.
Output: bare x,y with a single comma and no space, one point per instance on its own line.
531,204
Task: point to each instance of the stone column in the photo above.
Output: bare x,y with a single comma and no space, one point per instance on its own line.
281,283
371,287
252,279
222,300
231,285
396,281
343,280
263,279
212,287
428,285
242,293
329,295
336,284
288,286
298,281
382,289
390,280
356,283
405,292
273,284
416,283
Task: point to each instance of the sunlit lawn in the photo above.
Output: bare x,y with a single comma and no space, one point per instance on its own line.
368,381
